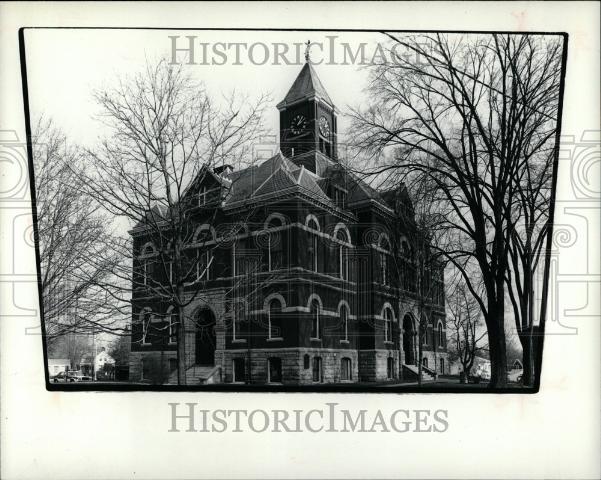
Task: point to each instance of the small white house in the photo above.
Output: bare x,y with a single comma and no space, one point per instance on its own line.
57,365
102,359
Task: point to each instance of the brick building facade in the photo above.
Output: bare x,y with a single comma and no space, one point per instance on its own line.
320,282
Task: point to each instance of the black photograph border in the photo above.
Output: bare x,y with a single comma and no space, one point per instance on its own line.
327,388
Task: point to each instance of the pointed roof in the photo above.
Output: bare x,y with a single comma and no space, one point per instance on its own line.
306,85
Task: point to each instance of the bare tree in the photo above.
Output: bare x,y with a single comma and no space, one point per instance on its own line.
527,254
416,267
467,330
72,346
467,113
167,138
71,237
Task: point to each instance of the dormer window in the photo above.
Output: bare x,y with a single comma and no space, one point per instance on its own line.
339,196
207,195
202,196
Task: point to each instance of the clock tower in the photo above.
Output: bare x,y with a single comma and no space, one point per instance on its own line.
308,124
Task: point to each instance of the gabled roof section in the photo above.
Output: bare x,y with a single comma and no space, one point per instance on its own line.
306,85
358,190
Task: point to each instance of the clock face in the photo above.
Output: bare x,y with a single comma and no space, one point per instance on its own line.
298,124
324,127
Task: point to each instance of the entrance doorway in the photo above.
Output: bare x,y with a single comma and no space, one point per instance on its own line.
205,337
409,340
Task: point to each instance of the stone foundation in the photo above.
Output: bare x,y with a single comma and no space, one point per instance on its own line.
434,361
158,368
293,365
374,365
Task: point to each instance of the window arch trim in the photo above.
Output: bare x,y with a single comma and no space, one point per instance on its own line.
202,228
273,296
312,218
341,226
271,216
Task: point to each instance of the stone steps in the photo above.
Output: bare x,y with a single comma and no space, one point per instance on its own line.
413,371
199,374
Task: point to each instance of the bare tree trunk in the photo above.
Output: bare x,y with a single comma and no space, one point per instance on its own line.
527,342
497,346
181,343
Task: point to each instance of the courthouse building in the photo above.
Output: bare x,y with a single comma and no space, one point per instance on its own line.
324,281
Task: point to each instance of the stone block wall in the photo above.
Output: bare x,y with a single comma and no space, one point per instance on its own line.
158,369
374,365
293,364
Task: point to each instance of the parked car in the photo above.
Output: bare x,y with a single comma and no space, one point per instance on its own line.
78,376
71,377
62,377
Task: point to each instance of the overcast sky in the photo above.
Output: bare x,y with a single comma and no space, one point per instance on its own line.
64,66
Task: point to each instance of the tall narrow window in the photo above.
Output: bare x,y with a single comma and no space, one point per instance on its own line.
202,196
237,322
384,252
315,320
204,255
346,369
173,321
390,367
440,335
313,244
442,366
425,362
274,319
274,370
317,369
388,325
344,322
146,319
343,270
239,370
146,260
275,247
203,265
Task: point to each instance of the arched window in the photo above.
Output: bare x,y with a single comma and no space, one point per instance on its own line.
204,254
384,253
275,247
440,335
146,260
344,322
442,366
388,320
424,331
274,318
146,318
425,362
239,315
315,320
343,270
313,243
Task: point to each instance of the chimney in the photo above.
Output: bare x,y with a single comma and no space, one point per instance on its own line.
223,170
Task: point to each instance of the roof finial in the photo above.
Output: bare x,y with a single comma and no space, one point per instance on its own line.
307,53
